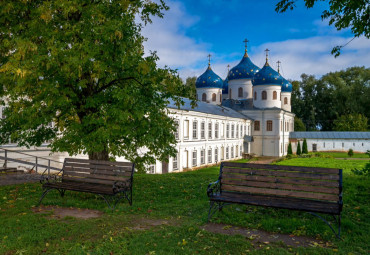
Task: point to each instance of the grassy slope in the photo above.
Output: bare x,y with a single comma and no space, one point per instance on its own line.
180,199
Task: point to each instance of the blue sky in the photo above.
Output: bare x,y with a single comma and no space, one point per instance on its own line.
192,29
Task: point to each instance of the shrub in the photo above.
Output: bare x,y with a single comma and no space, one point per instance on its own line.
364,171
304,147
350,152
299,152
290,151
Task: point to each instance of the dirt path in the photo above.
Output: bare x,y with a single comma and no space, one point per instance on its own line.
262,239
264,160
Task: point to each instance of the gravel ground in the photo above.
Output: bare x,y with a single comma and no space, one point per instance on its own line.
18,178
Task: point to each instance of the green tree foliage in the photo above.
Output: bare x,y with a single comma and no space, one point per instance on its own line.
290,151
319,102
304,147
80,64
350,152
190,82
299,152
298,124
351,122
353,14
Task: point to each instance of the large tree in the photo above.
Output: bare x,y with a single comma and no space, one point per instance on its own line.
80,64
319,102
351,122
353,14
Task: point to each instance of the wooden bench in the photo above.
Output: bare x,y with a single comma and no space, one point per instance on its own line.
111,180
313,190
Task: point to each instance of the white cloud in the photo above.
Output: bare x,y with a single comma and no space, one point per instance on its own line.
310,55
167,37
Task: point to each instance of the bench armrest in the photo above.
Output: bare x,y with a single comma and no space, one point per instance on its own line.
214,188
46,178
119,186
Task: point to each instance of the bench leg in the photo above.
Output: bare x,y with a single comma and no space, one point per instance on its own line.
327,223
46,190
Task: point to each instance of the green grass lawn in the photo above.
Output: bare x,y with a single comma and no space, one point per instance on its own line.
344,155
181,200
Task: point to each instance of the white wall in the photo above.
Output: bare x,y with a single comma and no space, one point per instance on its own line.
358,145
288,106
245,84
270,102
209,92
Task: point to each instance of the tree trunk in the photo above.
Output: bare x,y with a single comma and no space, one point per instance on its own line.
102,155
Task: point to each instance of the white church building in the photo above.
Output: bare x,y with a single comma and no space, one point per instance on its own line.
247,113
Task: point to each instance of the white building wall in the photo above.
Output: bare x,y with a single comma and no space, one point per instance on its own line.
269,102
245,84
286,106
274,142
357,145
209,92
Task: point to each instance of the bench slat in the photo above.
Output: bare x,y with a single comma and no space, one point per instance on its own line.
91,188
282,186
280,173
94,176
280,192
99,171
282,167
270,179
88,180
99,167
99,162
280,202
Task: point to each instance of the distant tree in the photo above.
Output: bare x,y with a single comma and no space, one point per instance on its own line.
350,152
290,151
319,102
304,147
351,122
299,152
298,124
190,82
81,65
354,14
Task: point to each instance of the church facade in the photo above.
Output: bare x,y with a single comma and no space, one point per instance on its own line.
247,113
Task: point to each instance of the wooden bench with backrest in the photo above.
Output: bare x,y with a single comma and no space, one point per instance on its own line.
313,190
110,180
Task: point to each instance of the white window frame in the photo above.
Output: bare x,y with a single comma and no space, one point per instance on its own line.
216,155
209,155
210,130
195,129
175,163
194,161
228,130
202,159
202,130
216,130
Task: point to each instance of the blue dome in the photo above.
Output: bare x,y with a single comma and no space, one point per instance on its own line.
209,80
244,70
267,76
287,86
225,87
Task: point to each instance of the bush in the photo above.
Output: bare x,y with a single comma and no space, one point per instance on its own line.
364,172
350,152
299,152
304,147
290,151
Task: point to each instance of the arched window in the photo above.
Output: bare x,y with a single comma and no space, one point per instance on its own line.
204,97
264,95
240,92
230,93
285,100
274,95
269,125
214,97
220,97
255,95
280,96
